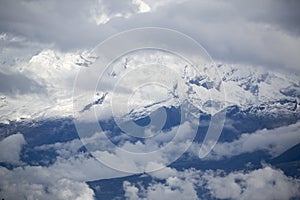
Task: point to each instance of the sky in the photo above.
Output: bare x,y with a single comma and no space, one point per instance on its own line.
257,33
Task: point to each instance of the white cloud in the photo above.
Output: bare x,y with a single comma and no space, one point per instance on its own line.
17,184
180,185
265,183
153,153
274,141
131,192
65,179
63,149
103,11
164,173
68,189
11,147
174,188
143,7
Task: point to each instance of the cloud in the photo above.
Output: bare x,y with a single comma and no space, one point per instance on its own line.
179,186
265,183
65,150
174,188
145,155
16,49
79,167
255,33
45,79
69,22
15,185
15,84
228,33
274,141
65,179
11,147
281,14
131,192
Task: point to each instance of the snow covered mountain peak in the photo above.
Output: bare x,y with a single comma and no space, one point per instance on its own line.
243,85
55,72
58,60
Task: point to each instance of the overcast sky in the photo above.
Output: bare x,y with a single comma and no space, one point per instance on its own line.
253,32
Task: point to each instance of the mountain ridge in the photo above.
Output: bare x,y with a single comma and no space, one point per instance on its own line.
244,86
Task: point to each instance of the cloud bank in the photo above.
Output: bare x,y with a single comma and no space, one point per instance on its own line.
256,33
264,183
274,141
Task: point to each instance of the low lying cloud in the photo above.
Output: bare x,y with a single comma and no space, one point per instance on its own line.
15,185
274,141
264,183
11,147
144,156
64,179
181,185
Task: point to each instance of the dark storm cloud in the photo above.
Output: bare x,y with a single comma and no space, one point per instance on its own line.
41,21
67,24
229,31
283,14
254,32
